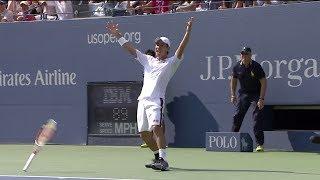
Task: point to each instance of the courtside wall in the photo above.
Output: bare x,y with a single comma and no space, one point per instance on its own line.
284,39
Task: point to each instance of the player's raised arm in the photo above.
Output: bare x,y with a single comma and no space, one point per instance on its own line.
114,30
185,40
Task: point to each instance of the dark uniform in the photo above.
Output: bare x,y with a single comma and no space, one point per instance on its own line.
249,92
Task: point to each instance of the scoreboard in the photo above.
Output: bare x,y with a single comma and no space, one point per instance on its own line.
112,108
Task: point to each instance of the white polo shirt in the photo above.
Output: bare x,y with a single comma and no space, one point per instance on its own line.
157,75
62,8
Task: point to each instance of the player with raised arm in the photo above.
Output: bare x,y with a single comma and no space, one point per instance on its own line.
158,71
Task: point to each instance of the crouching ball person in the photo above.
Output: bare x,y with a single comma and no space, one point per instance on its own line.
158,71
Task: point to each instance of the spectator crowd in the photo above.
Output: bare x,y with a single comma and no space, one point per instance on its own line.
15,10
35,10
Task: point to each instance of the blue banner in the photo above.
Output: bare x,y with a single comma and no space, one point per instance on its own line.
46,66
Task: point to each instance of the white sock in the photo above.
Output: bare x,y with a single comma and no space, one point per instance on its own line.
163,154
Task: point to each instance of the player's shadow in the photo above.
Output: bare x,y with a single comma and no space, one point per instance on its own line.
191,120
240,170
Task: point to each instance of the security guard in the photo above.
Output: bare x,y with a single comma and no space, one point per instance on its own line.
253,85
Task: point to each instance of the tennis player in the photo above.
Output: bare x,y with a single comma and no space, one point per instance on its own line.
158,71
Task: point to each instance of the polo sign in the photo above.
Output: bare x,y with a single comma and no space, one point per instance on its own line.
229,141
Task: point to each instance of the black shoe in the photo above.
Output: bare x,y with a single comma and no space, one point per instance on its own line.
161,165
152,163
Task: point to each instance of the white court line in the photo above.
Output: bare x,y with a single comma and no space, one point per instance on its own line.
58,177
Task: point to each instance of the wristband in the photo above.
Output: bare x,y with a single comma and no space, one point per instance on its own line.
122,41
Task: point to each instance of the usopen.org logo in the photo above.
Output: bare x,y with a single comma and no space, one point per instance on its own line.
107,38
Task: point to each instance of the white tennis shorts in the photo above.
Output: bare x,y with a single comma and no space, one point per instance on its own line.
149,113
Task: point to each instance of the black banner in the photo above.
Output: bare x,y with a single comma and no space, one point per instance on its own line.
112,108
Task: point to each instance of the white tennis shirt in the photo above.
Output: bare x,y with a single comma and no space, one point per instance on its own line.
157,75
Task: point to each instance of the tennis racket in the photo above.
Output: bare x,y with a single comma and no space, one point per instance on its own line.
45,134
